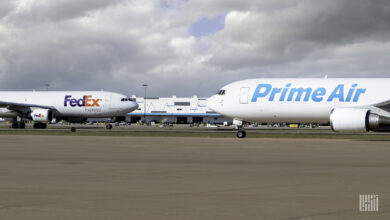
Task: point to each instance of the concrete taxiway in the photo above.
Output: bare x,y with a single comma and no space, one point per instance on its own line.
111,177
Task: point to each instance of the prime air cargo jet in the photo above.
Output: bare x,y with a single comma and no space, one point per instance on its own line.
76,107
350,105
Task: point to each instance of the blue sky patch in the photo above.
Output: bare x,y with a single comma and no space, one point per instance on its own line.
164,4
207,26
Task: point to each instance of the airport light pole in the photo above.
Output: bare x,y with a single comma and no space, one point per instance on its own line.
145,86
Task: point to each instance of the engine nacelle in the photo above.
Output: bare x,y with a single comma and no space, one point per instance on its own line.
357,120
41,115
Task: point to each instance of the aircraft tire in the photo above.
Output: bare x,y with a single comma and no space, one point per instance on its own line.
73,129
21,125
241,134
109,126
39,125
14,125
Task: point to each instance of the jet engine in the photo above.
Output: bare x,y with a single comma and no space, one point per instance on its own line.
357,120
41,115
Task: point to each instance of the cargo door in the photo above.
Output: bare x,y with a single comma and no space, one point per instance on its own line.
244,95
107,101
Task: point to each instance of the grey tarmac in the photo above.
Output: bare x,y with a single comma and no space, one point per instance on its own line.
93,177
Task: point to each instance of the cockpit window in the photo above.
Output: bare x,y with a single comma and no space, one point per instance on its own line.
221,92
128,100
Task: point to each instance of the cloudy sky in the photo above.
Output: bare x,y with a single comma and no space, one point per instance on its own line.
187,47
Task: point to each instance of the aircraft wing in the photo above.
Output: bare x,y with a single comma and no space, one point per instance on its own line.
384,105
21,107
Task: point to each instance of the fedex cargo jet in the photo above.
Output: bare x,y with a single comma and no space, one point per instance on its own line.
42,107
352,105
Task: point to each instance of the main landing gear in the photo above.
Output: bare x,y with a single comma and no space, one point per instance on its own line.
109,126
39,125
18,124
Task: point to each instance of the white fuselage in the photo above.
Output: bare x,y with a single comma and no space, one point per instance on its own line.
81,104
298,100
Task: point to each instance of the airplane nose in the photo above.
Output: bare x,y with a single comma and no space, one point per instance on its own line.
133,106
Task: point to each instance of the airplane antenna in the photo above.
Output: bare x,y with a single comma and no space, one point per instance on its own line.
326,76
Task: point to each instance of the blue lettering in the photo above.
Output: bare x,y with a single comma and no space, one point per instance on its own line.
273,93
318,94
283,96
292,94
299,92
358,93
262,90
338,93
350,93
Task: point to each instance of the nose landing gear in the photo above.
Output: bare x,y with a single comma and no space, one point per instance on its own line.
241,132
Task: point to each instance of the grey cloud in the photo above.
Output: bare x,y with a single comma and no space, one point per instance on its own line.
294,32
59,10
118,45
5,8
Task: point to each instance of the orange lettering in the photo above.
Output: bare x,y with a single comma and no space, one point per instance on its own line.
87,101
95,102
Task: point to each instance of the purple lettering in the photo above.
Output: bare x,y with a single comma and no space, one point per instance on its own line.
73,102
83,102
80,102
67,99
